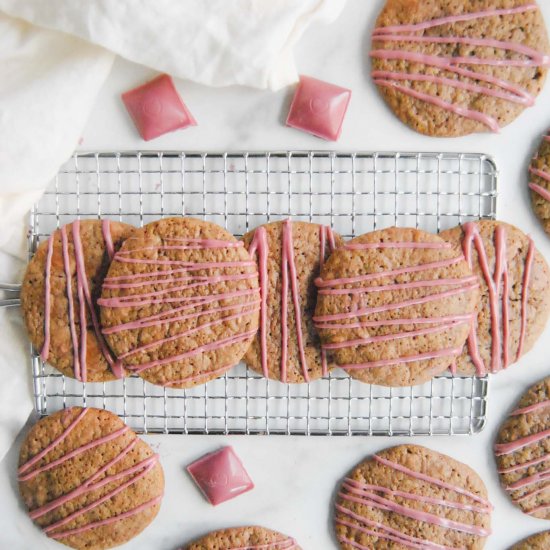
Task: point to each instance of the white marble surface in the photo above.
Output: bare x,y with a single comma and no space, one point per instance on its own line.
295,477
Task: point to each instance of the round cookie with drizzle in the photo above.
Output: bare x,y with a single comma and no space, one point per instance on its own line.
449,68
87,480
59,296
412,497
181,302
395,306
522,452
514,306
539,183
540,541
241,538
289,255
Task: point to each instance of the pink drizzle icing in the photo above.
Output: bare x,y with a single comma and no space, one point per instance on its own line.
137,471
392,273
384,532
84,299
405,33
325,234
31,462
47,301
531,408
235,339
498,288
260,247
541,476
507,448
108,521
190,303
524,465
107,238
372,497
544,193
466,284
289,281
72,324
84,289
288,269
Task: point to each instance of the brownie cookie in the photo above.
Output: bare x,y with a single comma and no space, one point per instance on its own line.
59,295
514,306
411,496
541,541
522,452
395,306
450,67
289,256
244,538
539,183
181,302
87,480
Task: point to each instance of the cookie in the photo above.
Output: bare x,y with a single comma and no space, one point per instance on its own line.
87,480
412,497
59,295
541,541
289,256
514,304
244,538
522,452
539,183
451,68
395,306
181,302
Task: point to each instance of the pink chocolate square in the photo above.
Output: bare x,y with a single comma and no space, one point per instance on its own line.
220,476
319,108
156,108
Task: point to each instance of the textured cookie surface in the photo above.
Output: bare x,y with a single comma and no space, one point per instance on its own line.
522,452
87,480
395,306
240,538
451,67
514,304
539,183
293,253
180,305
411,496
540,541
75,354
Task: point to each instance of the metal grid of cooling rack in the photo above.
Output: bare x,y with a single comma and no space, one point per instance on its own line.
354,193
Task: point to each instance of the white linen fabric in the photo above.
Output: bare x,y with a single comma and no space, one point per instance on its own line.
54,58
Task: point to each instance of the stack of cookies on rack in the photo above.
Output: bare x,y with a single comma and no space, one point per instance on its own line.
181,301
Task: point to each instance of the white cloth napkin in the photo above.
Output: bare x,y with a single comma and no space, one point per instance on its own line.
54,58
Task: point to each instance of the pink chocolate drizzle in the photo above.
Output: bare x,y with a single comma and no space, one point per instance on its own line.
543,192
532,408
383,498
510,91
528,480
336,287
260,247
183,312
499,289
47,301
84,299
288,269
289,281
136,471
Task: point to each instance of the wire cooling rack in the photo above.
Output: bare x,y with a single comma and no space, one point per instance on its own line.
352,192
